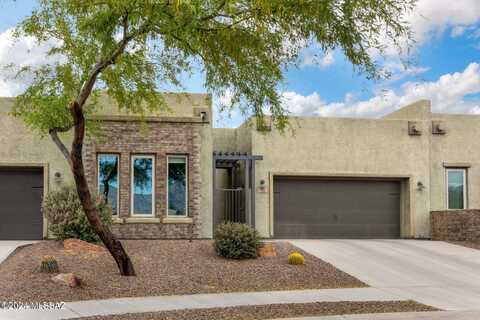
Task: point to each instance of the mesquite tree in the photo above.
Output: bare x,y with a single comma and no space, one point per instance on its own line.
131,48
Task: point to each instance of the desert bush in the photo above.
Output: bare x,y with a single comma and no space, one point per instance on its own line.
296,258
66,218
236,241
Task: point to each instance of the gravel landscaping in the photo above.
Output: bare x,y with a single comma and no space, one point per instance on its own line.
164,267
274,311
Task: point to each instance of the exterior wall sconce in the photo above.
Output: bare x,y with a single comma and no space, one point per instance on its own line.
420,186
57,177
202,113
262,188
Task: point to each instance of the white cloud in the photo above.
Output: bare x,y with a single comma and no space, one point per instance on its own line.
310,58
431,18
24,51
457,31
400,70
447,95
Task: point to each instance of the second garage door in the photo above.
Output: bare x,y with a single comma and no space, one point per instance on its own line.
317,208
21,191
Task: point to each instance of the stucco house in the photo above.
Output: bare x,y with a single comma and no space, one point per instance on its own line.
176,176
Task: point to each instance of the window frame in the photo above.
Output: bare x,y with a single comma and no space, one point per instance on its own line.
117,213
465,187
186,185
132,185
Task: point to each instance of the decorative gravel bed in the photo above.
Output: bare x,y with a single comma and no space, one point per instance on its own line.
274,311
164,267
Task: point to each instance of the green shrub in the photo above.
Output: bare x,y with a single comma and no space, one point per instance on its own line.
236,241
66,218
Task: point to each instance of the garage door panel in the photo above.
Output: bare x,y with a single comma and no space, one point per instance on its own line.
309,208
334,231
21,191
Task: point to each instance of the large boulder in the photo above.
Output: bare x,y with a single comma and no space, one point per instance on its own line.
67,279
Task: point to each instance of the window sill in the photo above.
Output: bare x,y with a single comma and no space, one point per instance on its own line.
142,220
177,220
118,220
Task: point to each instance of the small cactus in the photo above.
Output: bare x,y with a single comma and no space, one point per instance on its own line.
296,258
49,265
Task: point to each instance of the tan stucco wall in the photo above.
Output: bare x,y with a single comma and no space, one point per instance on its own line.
460,145
180,105
233,140
206,204
347,147
360,148
21,146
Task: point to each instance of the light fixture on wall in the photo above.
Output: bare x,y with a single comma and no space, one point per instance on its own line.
420,186
263,187
57,177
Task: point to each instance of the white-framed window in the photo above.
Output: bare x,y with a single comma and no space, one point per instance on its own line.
108,179
456,188
143,185
177,186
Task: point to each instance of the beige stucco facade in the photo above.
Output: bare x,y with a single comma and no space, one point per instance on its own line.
368,149
23,147
319,147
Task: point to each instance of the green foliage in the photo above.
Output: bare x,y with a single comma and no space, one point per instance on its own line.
296,258
66,218
242,46
236,241
49,265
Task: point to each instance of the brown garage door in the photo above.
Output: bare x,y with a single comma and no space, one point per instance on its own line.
21,193
316,208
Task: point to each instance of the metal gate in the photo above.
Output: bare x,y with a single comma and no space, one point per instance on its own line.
233,210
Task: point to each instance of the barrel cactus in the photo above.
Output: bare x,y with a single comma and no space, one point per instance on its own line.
49,265
296,258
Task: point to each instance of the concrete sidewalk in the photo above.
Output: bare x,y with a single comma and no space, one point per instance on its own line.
198,301
7,247
437,315
434,273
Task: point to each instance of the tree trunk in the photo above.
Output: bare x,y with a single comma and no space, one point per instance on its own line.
115,247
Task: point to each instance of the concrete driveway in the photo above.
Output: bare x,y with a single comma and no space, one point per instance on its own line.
431,272
7,247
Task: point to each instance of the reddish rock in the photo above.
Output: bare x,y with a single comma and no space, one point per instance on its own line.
77,246
268,250
68,279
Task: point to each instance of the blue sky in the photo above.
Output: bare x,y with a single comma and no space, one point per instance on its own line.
445,68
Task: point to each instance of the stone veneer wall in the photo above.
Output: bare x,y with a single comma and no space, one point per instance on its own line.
153,138
455,225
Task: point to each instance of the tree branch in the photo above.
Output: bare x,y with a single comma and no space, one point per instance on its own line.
215,13
56,139
100,66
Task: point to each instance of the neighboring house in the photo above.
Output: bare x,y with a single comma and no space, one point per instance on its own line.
174,176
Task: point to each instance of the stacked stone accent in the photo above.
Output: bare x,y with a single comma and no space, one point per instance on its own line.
455,225
159,139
